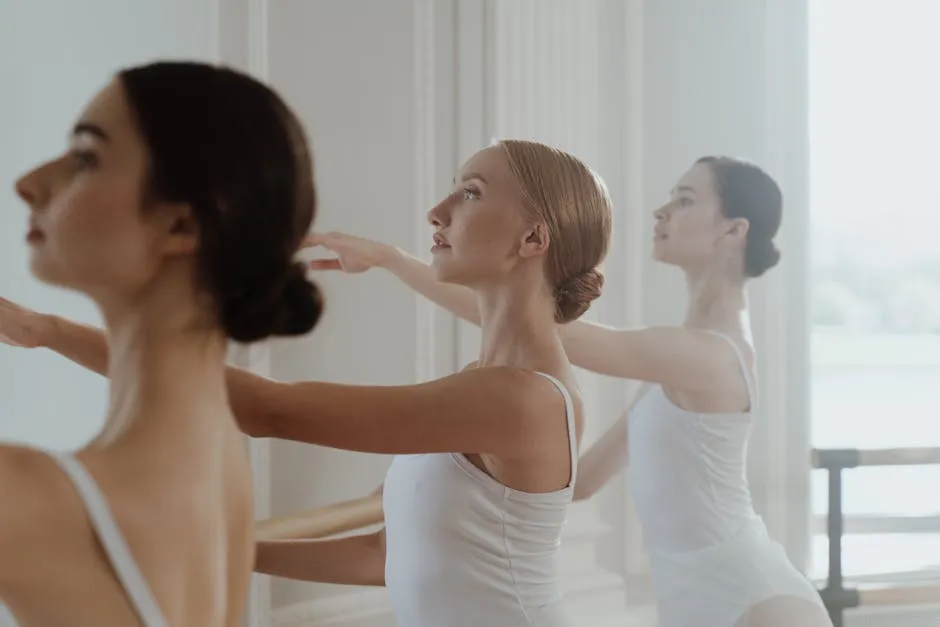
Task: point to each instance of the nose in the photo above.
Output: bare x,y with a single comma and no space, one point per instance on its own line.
29,187
439,213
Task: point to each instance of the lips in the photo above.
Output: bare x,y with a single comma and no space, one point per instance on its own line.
34,234
440,242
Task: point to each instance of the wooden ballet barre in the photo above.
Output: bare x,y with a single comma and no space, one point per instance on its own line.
322,522
853,458
913,595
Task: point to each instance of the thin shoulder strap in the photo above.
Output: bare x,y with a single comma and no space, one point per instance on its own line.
112,540
569,418
745,371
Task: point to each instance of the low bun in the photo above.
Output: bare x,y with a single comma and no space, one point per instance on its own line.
574,296
286,306
760,257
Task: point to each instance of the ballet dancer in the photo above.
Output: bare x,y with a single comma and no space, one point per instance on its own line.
712,561
178,206
477,496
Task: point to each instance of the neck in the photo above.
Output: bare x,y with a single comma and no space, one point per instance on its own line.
166,371
517,322
717,301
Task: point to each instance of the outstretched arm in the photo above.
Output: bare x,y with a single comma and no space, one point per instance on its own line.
356,560
674,357
490,410
419,276
500,411
358,254
689,359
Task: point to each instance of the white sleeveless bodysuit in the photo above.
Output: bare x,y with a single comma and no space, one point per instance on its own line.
711,558
463,550
112,541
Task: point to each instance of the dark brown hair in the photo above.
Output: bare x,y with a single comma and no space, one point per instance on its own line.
230,148
746,191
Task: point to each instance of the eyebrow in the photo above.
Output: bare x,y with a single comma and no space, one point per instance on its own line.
683,188
471,175
87,128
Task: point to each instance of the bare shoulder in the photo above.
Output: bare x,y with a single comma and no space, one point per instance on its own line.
31,480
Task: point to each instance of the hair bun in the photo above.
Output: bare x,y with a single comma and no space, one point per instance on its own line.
288,306
574,296
761,257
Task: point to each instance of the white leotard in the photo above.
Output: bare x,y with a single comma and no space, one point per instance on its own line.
710,555
112,541
463,550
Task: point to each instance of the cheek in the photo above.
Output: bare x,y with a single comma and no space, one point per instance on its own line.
93,235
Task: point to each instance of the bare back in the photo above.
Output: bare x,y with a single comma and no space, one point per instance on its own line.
186,515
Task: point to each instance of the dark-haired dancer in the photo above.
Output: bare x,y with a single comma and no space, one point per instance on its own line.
177,208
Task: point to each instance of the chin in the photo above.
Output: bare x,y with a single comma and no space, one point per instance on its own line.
446,271
49,272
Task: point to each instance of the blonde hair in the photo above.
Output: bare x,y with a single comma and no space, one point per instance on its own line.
572,200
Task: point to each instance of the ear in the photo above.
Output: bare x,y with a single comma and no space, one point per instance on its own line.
179,229
535,241
737,228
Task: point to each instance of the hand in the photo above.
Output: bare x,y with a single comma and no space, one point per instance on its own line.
23,327
353,254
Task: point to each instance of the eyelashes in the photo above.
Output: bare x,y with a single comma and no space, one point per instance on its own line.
84,159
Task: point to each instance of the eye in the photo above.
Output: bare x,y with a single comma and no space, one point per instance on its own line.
84,159
685,201
471,193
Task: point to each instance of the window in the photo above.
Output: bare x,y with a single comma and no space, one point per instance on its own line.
875,280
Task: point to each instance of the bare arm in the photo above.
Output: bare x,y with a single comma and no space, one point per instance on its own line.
356,560
500,411
419,276
672,356
490,410
357,254
602,461
689,359
85,345
607,456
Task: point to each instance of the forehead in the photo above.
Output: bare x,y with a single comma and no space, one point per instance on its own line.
698,178
490,163
110,111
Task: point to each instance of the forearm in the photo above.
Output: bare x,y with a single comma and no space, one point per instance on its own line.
602,461
419,276
586,344
357,561
85,345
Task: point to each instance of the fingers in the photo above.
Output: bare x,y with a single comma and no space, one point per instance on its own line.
313,239
325,264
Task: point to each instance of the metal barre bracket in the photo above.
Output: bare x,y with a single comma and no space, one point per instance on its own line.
835,458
